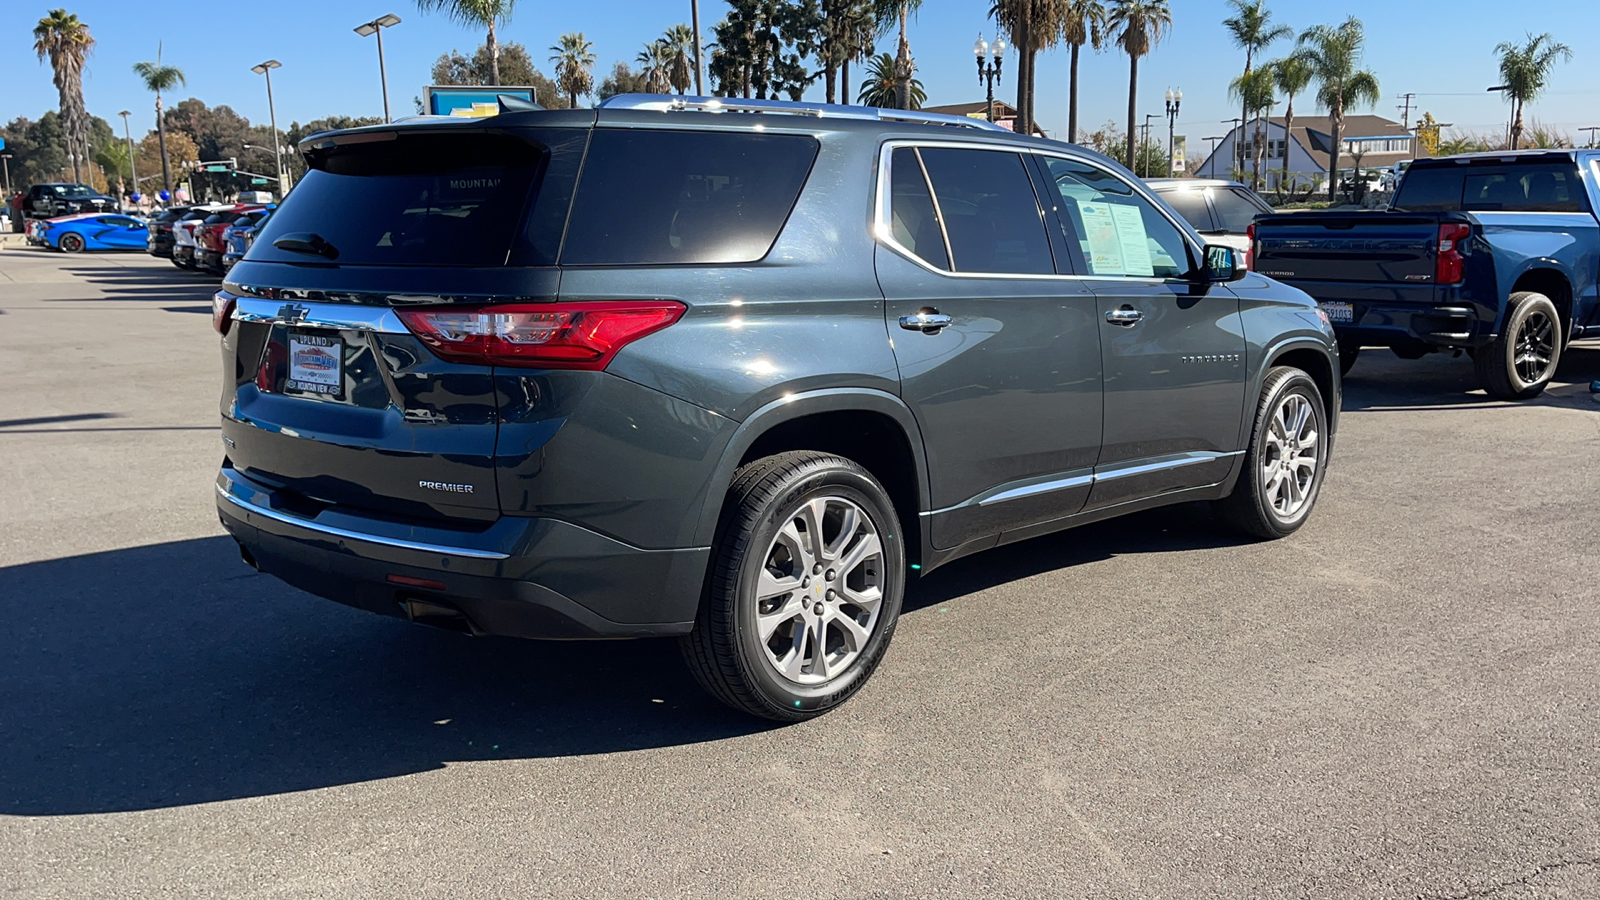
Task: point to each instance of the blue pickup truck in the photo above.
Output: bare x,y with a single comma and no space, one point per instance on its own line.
1495,254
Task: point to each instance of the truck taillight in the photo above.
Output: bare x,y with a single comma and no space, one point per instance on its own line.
1448,265
539,335
1250,251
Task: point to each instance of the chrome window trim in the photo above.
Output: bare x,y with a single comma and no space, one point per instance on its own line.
331,316
883,231
347,534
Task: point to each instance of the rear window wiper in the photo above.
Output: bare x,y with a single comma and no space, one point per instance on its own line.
306,242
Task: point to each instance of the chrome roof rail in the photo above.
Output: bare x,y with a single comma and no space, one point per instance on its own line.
671,103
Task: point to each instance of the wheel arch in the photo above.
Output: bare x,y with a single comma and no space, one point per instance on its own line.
872,428
1312,357
1550,278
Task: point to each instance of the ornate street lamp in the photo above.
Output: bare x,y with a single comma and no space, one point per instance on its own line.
989,72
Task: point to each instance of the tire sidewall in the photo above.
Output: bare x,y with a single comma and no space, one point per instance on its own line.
865,493
70,243
1295,383
1507,357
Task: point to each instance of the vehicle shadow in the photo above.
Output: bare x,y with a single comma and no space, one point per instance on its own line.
1382,382
172,675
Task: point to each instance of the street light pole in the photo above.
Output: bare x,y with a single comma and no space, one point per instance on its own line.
376,26
272,112
1144,141
133,163
1592,130
989,73
1212,156
1174,101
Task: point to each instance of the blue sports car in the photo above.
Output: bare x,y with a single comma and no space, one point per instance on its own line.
71,234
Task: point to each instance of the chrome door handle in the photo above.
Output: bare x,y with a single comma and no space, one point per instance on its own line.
1127,317
927,321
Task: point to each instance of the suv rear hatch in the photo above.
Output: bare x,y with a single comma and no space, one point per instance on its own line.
334,400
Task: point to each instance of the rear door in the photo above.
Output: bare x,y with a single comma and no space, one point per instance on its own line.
332,399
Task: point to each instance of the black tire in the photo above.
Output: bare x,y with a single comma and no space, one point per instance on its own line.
1348,354
1519,364
70,243
725,651
1252,507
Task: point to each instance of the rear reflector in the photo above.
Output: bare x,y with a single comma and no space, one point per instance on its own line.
408,581
222,312
539,335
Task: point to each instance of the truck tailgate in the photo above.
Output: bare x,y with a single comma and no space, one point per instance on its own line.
1359,247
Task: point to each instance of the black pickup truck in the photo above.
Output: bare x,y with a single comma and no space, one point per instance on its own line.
1495,254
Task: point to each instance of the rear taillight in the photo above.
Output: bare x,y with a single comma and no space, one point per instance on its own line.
1250,251
539,335
222,312
1448,265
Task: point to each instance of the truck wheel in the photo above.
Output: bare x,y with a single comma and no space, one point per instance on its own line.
1348,354
1286,459
70,243
1520,362
804,590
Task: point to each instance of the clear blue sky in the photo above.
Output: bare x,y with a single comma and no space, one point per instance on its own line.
1443,51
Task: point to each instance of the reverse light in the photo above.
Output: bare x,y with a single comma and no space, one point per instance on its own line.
1449,264
222,312
539,335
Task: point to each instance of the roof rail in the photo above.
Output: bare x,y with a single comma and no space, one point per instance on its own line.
670,103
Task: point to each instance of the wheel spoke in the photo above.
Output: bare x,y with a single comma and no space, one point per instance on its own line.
817,637
811,516
866,547
855,635
849,523
770,585
768,623
793,663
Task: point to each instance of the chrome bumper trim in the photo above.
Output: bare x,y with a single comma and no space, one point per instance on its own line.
225,494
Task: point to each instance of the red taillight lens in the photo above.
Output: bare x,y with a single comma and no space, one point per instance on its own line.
1448,265
539,335
1250,251
222,312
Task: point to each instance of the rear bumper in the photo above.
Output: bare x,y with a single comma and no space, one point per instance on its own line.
160,246
1445,325
520,577
208,259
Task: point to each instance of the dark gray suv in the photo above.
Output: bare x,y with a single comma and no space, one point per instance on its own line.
734,371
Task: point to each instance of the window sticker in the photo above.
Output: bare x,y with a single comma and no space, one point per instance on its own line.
1117,242
1135,242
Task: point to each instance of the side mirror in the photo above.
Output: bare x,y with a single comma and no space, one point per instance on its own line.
1222,265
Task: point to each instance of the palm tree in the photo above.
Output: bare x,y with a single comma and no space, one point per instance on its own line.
1523,71
1033,25
881,87
1334,54
158,78
678,42
858,42
1254,90
487,14
1082,22
1292,75
574,59
1251,29
845,34
888,13
66,41
1137,26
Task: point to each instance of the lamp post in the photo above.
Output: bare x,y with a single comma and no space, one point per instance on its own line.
272,111
1512,121
1212,156
1144,140
133,163
989,72
5,164
376,26
1174,100
1592,131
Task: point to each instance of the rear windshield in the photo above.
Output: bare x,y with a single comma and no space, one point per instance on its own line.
651,197
418,199
1542,187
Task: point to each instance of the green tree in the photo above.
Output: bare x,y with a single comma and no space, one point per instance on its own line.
486,14
881,86
623,80
679,44
1082,22
158,78
1334,56
846,32
890,13
1292,75
1251,29
516,68
1254,90
761,48
655,65
1524,68
1137,26
574,59
66,42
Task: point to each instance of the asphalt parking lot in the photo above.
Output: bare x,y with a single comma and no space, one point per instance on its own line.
1403,700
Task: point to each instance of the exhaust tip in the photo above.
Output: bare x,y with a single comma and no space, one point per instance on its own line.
425,612
244,554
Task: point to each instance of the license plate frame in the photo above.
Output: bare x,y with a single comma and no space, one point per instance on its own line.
316,364
1340,313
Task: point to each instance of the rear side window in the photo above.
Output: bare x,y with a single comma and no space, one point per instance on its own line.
913,221
1191,204
1119,231
990,213
1235,211
650,197
1492,188
417,199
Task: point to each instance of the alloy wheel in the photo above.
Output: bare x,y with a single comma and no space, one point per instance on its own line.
820,591
1289,455
1535,348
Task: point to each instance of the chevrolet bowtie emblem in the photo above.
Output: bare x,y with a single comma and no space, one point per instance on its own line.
293,312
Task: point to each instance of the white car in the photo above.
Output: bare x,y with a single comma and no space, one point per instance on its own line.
1220,210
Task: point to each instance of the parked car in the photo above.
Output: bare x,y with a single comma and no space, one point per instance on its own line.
1220,210
238,237
49,201
1496,254
160,242
73,234
209,240
460,388
184,244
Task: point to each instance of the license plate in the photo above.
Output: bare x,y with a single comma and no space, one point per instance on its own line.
316,364
1339,312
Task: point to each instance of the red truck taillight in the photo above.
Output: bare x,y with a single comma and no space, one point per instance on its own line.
1250,251
1449,264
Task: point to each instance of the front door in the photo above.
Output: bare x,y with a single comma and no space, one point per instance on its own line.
1173,350
999,356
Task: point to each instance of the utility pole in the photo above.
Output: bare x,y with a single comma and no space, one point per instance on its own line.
1592,130
699,67
1405,110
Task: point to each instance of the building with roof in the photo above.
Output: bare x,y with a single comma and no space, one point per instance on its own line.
1005,115
1380,142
